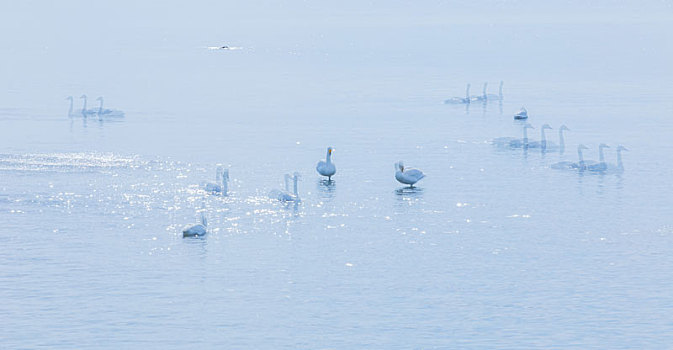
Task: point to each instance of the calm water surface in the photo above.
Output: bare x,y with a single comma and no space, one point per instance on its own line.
494,249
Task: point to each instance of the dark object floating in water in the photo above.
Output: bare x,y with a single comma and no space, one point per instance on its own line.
522,114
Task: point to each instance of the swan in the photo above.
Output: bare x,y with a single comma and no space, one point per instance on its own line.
572,165
513,141
407,176
561,140
285,196
196,230
221,182
619,168
111,113
71,106
327,168
542,144
86,112
460,100
599,166
494,97
522,114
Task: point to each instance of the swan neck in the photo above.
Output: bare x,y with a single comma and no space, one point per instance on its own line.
84,105
328,158
296,194
100,107
204,222
225,185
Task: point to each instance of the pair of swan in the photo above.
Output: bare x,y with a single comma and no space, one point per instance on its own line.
483,98
285,195
220,186
591,165
543,144
326,167
100,111
407,176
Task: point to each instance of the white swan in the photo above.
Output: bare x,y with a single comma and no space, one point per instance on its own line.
599,166
221,182
561,140
572,165
407,176
285,196
460,100
543,143
619,168
198,229
110,113
86,112
70,114
522,114
327,168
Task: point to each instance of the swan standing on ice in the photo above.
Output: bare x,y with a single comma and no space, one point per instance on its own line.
407,176
542,144
110,113
522,114
459,100
285,196
221,182
326,167
86,112
198,229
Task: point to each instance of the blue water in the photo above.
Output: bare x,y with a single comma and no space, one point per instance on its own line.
494,249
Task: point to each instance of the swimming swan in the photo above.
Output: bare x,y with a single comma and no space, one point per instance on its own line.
521,143
619,168
522,114
327,168
86,112
542,144
572,165
196,230
601,165
110,113
460,100
407,176
285,196
221,182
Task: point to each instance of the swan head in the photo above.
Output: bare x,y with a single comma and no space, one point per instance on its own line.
330,150
400,165
83,96
69,98
296,175
502,83
546,126
622,148
563,127
602,145
100,98
528,126
225,174
581,147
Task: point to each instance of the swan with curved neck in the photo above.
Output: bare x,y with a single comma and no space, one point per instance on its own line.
326,167
407,176
601,165
543,139
198,229
561,141
86,112
581,164
285,196
107,112
522,143
71,106
619,168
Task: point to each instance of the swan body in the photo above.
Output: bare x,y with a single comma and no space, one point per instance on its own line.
407,176
221,182
286,196
460,100
196,230
522,114
571,165
86,112
109,113
326,167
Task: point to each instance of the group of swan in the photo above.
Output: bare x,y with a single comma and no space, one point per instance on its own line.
87,112
591,165
484,97
544,145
